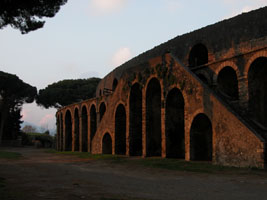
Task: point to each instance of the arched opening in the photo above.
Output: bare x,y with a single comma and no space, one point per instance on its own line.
198,55
84,130
58,133
107,144
120,130
114,85
68,131
76,131
100,92
93,124
174,124
102,110
201,138
61,132
135,148
153,118
228,83
257,89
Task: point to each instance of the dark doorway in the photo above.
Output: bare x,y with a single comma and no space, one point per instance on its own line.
61,132
135,120
93,124
76,130
68,131
84,130
198,55
257,89
174,124
120,130
102,110
228,83
201,138
114,85
107,144
153,118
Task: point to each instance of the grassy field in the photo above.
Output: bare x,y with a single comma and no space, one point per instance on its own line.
166,163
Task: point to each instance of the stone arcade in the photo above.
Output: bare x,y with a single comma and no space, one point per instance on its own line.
199,96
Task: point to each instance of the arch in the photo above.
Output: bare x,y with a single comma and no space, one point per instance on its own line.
76,130
114,84
93,124
198,55
227,82
107,144
257,90
68,131
102,110
58,133
84,129
135,132
61,133
120,130
174,124
153,118
201,138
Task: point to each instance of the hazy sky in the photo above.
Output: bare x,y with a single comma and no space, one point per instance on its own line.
91,37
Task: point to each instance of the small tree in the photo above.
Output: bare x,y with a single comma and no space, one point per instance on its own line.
29,129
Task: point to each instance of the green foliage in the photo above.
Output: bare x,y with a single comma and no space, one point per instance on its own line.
44,138
66,92
10,155
13,93
26,15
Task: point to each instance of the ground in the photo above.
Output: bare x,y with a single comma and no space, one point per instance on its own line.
44,175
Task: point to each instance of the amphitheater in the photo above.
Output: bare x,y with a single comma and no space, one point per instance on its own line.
200,96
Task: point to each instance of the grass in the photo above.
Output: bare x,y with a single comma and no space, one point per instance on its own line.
10,155
165,163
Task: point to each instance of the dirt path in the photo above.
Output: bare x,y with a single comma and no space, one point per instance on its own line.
41,175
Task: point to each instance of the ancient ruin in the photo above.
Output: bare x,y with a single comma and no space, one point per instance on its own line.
199,96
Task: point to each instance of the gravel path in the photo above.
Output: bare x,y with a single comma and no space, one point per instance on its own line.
42,175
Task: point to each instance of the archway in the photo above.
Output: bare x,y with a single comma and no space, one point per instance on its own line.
120,130
102,110
58,133
198,55
174,124
201,138
68,131
93,124
227,82
114,85
107,144
257,89
84,130
135,148
76,130
153,118
61,133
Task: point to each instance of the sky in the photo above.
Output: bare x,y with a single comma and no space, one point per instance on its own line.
89,38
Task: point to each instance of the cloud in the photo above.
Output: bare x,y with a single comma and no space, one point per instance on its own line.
121,56
173,5
46,120
103,7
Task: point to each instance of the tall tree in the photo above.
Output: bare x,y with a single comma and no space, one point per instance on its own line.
26,15
66,92
13,93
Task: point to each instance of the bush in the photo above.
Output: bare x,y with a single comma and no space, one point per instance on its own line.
38,139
